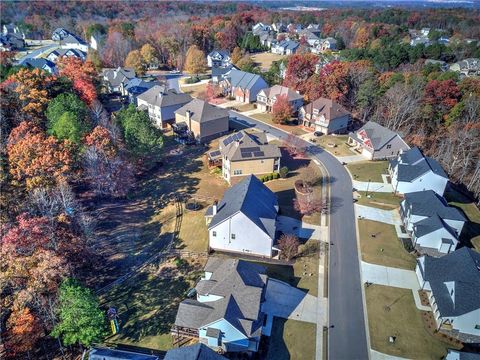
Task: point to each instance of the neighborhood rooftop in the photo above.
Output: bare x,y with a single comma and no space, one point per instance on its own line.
428,203
160,96
278,90
327,107
414,164
201,111
378,134
245,145
193,352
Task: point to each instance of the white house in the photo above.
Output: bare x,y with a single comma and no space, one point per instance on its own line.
431,222
244,221
461,355
59,53
115,80
226,314
285,47
219,58
412,171
453,286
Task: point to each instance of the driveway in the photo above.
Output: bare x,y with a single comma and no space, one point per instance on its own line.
351,158
391,217
372,186
33,54
301,229
390,276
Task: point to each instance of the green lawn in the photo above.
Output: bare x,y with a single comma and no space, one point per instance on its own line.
368,170
385,248
267,118
335,144
291,339
385,201
392,312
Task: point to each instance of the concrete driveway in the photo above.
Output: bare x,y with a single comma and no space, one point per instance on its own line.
301,229
288,302
391,217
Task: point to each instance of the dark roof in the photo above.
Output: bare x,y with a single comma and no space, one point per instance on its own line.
247,145
244,80
221,70
462,355
329,108
112,354
39,63
220,53
202,111
194,352
414,164
159,96
429,203
431,224
288,44
117,76
73,39
378,134
251,197
461,269
138,86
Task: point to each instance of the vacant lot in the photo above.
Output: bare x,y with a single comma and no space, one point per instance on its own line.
380,245
194,90
335,144
392,312
265,59
267,118
291,339
368,170
385,201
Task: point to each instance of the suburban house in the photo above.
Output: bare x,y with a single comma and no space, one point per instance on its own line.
218,58
453,286
412,171
467,67
461,355
326,116
243,86
260,27
267,39
161,104
11,42
246,153
285,47
203,120
328,44
267,97
115,80
69,40
59,53
376,142
309,37
226,314
136,87
431,223
244,221
220,72
12,29
279,27
104,353
40,63
193,352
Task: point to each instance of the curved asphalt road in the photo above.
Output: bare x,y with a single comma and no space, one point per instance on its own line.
347,338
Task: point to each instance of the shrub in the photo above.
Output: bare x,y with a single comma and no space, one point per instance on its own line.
192,80
283,172
276,175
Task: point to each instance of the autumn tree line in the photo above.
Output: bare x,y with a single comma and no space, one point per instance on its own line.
56,137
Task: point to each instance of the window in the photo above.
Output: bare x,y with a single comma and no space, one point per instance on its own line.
237,172
477,327
214,233
232,236
389,146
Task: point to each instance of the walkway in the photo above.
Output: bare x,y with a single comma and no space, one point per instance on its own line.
372,186
389,276
391,217
376,355
301,229
351,158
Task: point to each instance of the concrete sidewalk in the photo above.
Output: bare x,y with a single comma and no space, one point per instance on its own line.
301,229
376,355
372,186
391,217
389,276
351,158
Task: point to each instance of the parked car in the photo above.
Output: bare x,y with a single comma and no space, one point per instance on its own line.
174,71
318,133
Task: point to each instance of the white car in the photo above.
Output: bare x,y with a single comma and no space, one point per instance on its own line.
175,71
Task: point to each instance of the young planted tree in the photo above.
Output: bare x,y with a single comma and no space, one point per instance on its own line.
195,62
81,321
308,204
282,110
288,244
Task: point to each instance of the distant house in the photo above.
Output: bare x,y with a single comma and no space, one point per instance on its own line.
135,87
40,63
219,73
328,44
314,28
193,352
412,171
203,120
162,104
115,80
279,27
431,223
246,153
420,40
243,86
461,355
467,67
101,353
326,116
309,36
260,27
11,42
59,34
244,221
12,29
442,64
219,58
267,97
68,39
226,315
59,53
376,142
267,39
285,47
453,286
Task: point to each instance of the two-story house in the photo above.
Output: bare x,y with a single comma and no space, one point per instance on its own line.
267,97
59,53
453,286
162,103
219,58
115,80
246,153
326,116
376,142
412,171
226,314
243,86
431,223
285,47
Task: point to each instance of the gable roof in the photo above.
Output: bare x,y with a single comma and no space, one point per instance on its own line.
277,90
39,63
73,39
462,267
97,353
220,54
428,203
326,107
117,76
252,198
379,135
159,96
244,80
413,164
201,111
431,224
193,352
288,44
245,145
221,70
134,84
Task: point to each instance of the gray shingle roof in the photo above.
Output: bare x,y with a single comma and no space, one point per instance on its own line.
194,352
201,111
39,63
245,145
160,96
431,224
112,354
378,134
277,90
251,197
117,76
244,80
429,203
414,164
462,267
329,108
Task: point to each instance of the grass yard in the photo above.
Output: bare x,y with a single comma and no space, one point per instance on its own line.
335,144
291,339
147,304
385,201
267,118
385,248
245,107
265,59
368,170
392,312
193,231
194,90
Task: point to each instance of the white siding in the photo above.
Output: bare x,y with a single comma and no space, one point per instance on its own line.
466,323
428,181
433,240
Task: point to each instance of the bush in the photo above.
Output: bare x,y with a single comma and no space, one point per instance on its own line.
276,175
283,172
192,80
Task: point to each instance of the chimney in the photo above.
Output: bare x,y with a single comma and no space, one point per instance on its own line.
188,114
214,208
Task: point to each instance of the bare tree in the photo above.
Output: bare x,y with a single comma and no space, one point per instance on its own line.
309,176
288,244
309,204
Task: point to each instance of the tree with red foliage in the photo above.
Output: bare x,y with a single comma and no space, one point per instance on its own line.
288,244
299,69
441,96
332,82
295,146
82,74
282,110
22,332
101,140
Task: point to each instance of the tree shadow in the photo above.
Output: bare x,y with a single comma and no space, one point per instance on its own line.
277,349
335,204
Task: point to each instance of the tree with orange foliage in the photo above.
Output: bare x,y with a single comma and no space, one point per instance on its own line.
36,159
299,69
82,74
282,110
23,331
101,140
332,82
